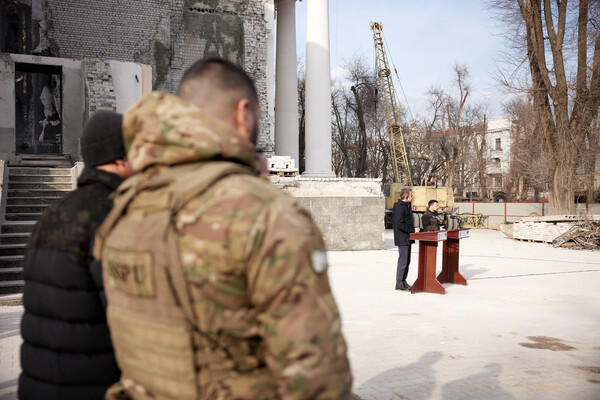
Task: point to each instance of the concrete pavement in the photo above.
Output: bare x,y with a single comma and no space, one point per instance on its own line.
10,342
527,325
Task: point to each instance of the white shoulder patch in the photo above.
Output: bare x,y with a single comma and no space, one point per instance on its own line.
319,261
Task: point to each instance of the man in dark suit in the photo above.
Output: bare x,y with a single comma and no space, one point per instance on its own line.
403,226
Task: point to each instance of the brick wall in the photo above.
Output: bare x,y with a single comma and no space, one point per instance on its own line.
99,87
168,35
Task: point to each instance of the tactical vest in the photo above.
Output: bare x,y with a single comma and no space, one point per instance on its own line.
150,314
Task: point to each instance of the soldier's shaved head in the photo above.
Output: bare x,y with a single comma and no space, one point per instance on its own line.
217,86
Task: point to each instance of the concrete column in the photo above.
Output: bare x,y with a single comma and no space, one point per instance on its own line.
270,111
318,91
286,86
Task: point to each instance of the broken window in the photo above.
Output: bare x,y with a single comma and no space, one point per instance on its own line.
38,95
498,144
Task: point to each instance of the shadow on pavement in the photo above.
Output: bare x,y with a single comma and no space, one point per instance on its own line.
10,394
483,385
392,384
469,272
11,324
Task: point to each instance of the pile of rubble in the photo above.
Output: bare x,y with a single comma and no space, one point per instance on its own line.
582,235
580,231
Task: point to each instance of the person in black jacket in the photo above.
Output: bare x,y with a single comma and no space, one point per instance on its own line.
403,226
66,351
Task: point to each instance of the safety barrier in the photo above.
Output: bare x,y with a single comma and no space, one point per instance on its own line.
474,221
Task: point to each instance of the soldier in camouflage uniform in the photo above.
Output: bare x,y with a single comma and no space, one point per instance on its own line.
216,281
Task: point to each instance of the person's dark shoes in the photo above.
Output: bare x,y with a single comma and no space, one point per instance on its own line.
404,287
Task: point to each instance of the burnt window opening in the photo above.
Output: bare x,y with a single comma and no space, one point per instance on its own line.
15,24
38,109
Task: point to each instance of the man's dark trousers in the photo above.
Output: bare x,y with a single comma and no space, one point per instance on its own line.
403,263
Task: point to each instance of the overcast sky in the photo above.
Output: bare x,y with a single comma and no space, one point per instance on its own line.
425,38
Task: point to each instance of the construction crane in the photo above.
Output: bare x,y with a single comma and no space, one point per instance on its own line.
392,114
402,176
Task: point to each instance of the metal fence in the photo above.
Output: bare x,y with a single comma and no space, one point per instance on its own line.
510,212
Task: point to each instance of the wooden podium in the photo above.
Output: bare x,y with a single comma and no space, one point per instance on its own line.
428,243
450,273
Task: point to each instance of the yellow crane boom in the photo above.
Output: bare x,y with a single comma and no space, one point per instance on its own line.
392,114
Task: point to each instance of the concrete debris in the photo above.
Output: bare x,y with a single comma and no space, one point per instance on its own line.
507,229
583,235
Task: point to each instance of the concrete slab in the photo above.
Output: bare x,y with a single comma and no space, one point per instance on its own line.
525,327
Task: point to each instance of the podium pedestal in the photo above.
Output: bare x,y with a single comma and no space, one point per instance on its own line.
428,243
450,273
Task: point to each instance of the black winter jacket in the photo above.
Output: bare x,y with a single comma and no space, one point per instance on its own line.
403,223
66,351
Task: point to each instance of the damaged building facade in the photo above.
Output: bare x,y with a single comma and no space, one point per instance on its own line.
62,60
59,64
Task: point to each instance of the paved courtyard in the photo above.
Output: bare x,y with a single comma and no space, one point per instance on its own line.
527,325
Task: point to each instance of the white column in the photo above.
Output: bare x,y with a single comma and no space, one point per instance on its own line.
318,91
270,111
286,86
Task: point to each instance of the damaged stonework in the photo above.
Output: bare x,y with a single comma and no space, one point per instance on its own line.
99,86
45,101
168,35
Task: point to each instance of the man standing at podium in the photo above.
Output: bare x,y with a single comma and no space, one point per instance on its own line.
403,226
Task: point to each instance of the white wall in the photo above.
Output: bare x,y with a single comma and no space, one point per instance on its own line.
270,111
127,80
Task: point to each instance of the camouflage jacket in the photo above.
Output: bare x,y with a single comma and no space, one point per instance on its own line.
253,262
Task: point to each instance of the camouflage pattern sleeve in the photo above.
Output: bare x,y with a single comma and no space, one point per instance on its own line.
297,314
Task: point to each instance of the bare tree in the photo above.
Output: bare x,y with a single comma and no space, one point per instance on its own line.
432,126
301,117
558,40
480,146
455,132
528,167
364,88
342,134
590,159
356,123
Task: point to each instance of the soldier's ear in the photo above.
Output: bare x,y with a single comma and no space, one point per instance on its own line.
243,118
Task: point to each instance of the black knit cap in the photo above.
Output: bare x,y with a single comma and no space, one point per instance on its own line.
102,139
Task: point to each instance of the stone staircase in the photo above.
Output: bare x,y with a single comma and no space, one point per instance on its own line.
29,191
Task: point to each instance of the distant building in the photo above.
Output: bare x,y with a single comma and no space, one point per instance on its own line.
498,138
